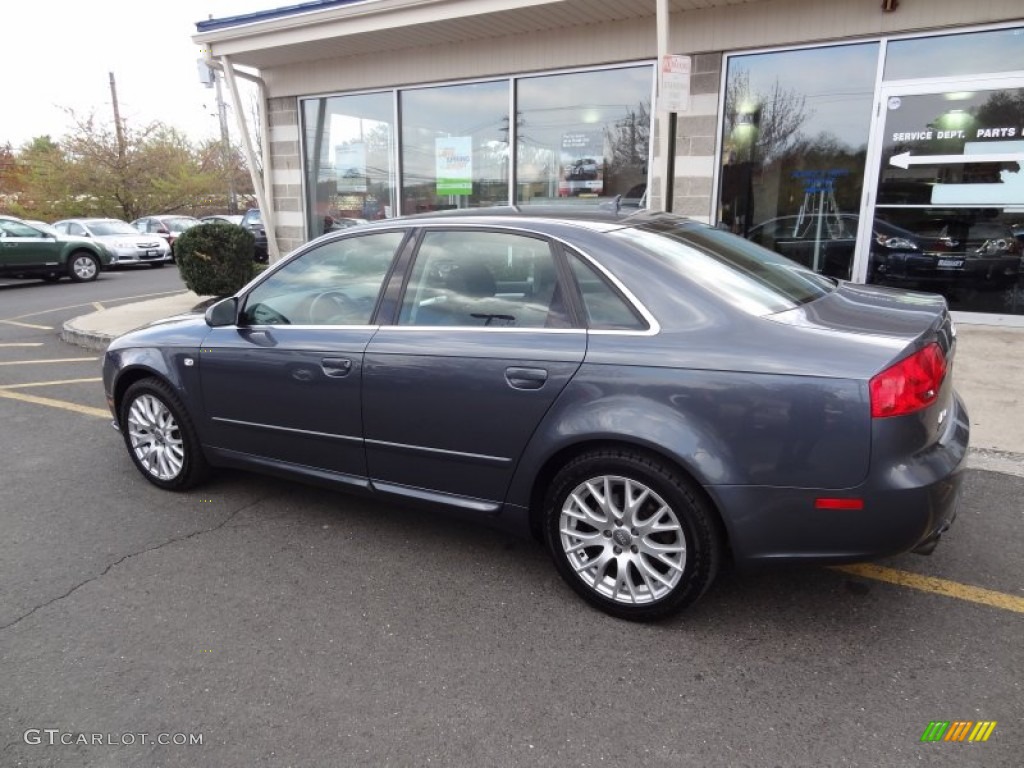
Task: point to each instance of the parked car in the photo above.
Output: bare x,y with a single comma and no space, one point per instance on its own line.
124,242
253,221
168,227
223,218
31,251
646,394
41,225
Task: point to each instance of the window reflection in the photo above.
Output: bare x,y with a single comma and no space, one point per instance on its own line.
794,145
455,151
350,175
584,137
999,50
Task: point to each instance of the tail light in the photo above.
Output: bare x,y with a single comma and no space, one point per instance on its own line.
909,385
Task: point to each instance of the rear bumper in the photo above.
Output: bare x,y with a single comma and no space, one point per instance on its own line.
908,506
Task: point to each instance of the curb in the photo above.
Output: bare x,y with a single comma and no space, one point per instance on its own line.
87,339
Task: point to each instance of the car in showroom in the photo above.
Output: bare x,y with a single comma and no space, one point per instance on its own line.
125,244
168,227
645,394
28,251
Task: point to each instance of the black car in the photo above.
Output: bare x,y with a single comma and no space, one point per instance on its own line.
253,221
645,394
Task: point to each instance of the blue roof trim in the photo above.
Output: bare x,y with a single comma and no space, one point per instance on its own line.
273,13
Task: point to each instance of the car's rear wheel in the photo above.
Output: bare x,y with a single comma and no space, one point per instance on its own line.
631,535
160,436
83,267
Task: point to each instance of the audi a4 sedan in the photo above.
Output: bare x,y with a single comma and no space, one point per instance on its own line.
645,394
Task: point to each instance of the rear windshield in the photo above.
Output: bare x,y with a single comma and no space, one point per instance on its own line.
752,278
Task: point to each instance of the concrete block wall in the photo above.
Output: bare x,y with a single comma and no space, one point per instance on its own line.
286,172
696,135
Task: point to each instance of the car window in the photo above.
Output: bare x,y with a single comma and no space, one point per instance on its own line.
606,309
484,279
61,227
750,277
112,227
336,283
76,229
17,229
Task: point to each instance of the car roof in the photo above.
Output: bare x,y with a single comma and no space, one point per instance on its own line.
587,216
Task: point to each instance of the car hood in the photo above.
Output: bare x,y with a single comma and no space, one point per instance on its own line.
187,329
137,239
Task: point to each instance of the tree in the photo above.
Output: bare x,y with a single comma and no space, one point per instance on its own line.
90,173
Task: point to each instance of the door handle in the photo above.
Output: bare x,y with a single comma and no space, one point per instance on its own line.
526,378
336,367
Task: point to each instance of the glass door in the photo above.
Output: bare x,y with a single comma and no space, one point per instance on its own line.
947,200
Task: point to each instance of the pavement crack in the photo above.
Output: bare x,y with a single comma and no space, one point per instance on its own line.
154,548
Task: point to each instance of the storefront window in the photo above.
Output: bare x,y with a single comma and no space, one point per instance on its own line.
584,136
950,198
796,129
998,50
455,151
349,146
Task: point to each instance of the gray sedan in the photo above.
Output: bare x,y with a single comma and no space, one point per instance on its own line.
646,394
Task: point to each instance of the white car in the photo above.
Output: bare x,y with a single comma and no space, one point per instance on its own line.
125,243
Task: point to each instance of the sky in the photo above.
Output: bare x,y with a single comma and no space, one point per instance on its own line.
57,55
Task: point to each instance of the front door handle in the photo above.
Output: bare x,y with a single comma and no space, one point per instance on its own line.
336,367
526,378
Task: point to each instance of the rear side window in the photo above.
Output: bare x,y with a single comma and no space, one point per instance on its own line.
748,276
606,309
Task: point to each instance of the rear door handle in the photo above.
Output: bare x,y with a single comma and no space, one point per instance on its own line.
336,367
526,378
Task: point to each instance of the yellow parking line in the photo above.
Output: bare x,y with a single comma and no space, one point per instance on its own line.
54,360
28,325
21,344
936,586
86,409
51,383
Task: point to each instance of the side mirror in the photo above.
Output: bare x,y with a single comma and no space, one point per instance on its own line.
224,312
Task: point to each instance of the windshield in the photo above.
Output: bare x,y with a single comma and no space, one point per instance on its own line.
103,228
180,225
752,278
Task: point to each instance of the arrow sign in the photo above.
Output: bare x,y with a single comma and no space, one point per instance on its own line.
905,160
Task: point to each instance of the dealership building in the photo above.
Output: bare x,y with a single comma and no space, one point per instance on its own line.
872,140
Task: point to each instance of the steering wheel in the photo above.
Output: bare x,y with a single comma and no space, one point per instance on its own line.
327,306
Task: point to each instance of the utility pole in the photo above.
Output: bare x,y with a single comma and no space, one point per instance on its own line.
225,139
117,119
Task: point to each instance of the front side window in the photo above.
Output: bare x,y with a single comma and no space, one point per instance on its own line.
337,283
794,140
484,280
17,229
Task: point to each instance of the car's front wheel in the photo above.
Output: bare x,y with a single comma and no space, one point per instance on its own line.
83,267
160,437
631,535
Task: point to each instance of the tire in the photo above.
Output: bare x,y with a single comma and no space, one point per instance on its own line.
83,267
627,579
160,436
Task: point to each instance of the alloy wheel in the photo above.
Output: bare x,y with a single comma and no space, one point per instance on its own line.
155,437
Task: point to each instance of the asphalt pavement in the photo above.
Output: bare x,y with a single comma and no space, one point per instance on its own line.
989,369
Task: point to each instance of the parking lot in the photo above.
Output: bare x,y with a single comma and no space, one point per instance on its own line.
292,626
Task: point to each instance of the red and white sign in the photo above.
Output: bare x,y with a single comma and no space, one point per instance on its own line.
674,90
